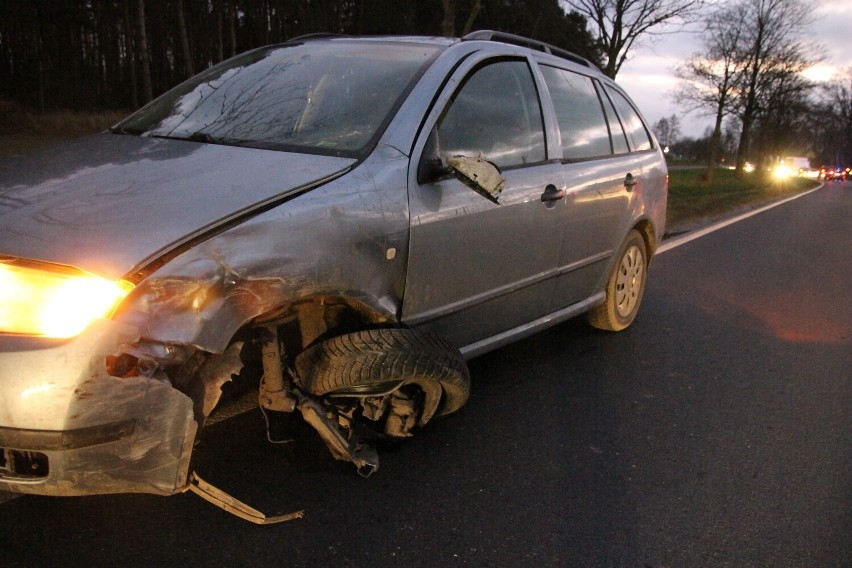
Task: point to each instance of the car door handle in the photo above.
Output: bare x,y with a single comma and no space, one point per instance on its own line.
630,182
552,194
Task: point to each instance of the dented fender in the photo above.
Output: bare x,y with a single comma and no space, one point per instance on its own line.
347,239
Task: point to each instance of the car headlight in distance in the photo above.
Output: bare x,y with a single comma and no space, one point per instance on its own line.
53,300
783,172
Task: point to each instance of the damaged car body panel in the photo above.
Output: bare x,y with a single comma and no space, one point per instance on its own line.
77,430
331,254
81,212
346,239
199,300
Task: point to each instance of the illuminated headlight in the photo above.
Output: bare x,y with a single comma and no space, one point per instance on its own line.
783,172
52,300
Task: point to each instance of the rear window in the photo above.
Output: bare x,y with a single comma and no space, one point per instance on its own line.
634,128
329,97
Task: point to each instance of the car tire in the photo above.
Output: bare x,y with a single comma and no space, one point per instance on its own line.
625,287
370,359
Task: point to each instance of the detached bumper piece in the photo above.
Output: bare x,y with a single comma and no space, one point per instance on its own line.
235,506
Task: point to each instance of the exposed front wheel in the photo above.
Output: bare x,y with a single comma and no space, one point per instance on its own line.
625,287
396,379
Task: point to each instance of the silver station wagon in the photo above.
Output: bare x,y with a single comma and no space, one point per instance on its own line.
337,223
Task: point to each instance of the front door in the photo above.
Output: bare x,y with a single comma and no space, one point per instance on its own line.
476,268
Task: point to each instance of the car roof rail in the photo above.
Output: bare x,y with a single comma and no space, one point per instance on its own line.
504,37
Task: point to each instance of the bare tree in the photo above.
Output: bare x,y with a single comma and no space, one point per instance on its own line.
667,130
711,77
838,94
774,48
620,23
782,126
833,118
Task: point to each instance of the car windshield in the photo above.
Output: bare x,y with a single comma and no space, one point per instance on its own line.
327,97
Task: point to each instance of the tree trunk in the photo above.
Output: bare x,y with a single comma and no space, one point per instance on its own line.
130,47
147,90
448,24
232,29
713,154
474,12
744,144
184,41
220,36
40,62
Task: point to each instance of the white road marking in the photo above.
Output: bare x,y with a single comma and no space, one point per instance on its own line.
677,241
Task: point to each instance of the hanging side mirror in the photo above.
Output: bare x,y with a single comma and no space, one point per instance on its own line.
479,174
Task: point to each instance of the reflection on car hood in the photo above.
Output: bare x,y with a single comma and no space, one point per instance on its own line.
108,202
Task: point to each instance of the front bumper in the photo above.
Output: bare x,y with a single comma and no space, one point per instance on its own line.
69,428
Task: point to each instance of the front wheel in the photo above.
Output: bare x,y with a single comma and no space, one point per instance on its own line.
397,377
625,287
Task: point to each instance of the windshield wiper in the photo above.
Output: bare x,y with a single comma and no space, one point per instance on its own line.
122,130
194,137
203,137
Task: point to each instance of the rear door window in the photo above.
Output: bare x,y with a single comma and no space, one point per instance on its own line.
581,119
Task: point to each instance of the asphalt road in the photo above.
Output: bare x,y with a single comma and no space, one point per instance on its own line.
714,432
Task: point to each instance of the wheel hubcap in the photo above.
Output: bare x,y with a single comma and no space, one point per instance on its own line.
628,282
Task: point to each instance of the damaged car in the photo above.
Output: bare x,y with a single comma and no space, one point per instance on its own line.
339,223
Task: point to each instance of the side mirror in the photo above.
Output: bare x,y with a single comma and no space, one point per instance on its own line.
431,168
479,174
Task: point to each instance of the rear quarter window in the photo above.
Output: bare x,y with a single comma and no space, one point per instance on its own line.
634,128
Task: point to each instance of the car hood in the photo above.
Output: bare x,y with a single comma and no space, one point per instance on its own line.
110,203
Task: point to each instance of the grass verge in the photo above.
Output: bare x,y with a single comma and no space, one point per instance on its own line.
692,200
22,130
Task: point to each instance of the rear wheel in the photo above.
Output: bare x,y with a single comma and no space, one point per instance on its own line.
625,287
397,378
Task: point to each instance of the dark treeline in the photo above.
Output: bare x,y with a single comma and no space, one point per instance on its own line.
101,54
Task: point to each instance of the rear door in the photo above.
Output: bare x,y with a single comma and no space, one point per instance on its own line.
598,174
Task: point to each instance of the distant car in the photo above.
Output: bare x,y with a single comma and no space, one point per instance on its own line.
337,222
834,173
